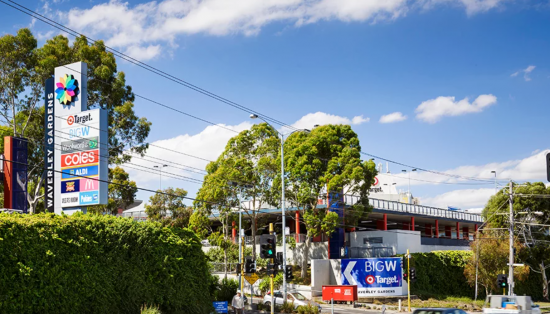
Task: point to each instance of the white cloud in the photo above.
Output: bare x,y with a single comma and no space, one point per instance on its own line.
463,199
393,117
526,73
531,168
321,118
433,110
208,144
137,28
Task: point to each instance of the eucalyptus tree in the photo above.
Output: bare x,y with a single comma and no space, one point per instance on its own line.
326,159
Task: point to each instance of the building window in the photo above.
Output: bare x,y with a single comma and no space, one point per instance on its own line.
373,240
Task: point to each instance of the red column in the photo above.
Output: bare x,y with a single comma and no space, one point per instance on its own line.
475,231
233,231
428,231
412,223
298,227
457,230
382,224
437,228
448,232
465,233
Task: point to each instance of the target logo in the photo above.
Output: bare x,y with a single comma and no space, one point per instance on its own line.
70,120
370,279
376,181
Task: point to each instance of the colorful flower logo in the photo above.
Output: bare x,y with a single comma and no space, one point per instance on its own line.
66,90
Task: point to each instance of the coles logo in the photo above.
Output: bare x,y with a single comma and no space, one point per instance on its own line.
80,158
370,279
376,181
70,120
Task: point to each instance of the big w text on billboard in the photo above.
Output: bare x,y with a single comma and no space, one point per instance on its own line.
80,176
374,276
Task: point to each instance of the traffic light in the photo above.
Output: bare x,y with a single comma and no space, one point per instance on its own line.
502,281
268,246
238,270
272,269
279,259
405,276
249,266
288,273
413,273
548,167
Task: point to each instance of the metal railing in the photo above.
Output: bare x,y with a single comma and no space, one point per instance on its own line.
220,267
415,209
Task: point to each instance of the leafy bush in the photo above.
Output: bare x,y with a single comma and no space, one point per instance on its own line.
307,309
287,307
99,264
150,310
227,290
265,284
440,272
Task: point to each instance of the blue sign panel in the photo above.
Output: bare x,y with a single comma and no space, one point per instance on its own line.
373,276
89,198
70,186
220,307
80,172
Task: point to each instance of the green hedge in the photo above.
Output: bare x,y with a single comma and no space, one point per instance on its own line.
441,273
99,264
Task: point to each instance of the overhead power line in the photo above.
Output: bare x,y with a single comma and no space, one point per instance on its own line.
184,83
143,65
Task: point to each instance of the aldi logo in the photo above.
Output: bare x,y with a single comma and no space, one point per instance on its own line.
76,173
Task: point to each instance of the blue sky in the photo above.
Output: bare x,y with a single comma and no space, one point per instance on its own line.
290,58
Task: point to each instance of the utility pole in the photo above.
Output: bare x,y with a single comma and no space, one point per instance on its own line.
511,235
271,231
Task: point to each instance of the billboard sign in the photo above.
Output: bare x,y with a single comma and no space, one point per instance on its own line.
49,147
374,276
80,140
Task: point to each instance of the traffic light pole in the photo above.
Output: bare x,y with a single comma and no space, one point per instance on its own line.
511,235
409,279
271,231
241,257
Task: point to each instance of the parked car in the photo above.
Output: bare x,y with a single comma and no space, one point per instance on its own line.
438,311
291,297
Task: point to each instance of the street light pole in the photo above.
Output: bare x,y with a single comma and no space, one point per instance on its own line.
160,173
254,116
495,180
511,236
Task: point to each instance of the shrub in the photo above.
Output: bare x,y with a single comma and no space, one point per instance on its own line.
287,307
307,309
99,264
227,290
150,310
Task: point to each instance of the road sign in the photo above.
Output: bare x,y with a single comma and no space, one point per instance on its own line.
374,276
220,307
251,278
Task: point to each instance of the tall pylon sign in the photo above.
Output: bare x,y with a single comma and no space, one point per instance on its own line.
76,163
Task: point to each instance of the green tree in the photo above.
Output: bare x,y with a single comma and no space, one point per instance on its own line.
249,166
530,198
167,206
23,71
327,157
491,257
122,192
200,224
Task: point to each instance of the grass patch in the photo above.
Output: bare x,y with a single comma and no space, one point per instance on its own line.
298,280
463,303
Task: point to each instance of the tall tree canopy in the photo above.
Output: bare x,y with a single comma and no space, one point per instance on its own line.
23,71
532,211
167,206
328,157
